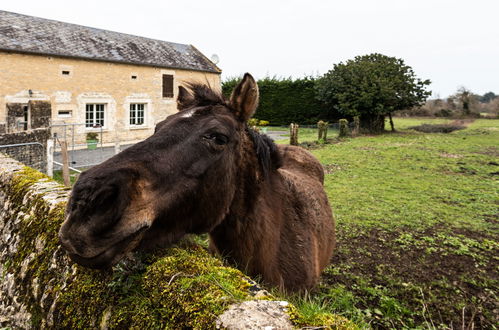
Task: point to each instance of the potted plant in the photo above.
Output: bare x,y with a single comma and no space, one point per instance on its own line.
92,140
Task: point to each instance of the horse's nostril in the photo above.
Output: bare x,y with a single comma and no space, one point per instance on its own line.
66,243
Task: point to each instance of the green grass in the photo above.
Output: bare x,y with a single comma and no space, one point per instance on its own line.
72,176
417,225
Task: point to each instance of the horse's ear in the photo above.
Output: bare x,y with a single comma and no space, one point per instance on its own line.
244,98
184,99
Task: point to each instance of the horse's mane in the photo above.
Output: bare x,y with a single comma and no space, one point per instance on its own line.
266,150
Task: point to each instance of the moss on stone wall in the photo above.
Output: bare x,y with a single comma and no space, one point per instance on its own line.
180,287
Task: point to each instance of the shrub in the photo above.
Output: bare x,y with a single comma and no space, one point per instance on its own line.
443,113
286,100
263,123
253,122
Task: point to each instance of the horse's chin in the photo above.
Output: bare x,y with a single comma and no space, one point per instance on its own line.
112,255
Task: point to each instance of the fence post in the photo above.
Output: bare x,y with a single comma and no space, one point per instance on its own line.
65,163
323,127
320,125
50,158
343,128
293,138
356,123
117,147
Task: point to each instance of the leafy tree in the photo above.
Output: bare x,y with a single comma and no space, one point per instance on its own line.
465,96
372,87
487,97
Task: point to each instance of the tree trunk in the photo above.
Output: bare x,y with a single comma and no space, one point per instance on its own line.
372,124
391,121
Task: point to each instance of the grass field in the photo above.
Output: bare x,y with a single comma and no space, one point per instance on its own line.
417,225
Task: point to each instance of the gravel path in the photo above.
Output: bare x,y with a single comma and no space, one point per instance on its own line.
87,158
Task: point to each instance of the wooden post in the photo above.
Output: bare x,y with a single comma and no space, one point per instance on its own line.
65,163
50,158
323,126
343,128
293,130
356,123
320,125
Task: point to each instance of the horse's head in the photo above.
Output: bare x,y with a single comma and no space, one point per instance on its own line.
180,180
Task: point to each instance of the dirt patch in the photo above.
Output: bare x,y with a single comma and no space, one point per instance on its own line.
311,145
437,128
444,275
462,122
490,151
331,168
446,155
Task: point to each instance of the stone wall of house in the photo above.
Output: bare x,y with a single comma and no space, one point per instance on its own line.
26,79
33,155
180,287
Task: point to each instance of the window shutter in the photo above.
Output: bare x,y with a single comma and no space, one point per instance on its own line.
167,85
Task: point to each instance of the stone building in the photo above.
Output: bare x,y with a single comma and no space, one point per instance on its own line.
54,73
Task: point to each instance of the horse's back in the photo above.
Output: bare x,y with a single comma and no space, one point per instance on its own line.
300,161
312,222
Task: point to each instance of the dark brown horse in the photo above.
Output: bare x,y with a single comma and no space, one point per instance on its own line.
205,171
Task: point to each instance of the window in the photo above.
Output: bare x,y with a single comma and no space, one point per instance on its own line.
65,72
134,77
64,113
94,115
167,85
137,113
26,117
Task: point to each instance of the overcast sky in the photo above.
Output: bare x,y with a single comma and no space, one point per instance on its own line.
451,42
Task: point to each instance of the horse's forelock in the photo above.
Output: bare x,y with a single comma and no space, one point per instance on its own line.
203,95
266,150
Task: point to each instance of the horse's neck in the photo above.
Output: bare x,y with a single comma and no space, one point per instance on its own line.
253,209
246,226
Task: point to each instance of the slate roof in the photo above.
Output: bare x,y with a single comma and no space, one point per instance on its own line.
28,34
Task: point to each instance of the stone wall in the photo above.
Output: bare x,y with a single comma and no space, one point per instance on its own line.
180,287
31,155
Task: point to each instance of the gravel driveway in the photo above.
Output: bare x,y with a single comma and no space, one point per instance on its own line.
84,158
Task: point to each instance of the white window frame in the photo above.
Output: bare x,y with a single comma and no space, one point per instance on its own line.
148,111
133,114
94,115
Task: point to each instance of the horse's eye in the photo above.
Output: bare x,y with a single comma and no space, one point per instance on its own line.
219,139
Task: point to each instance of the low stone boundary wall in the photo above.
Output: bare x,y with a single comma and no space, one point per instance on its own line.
180,287
33,155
